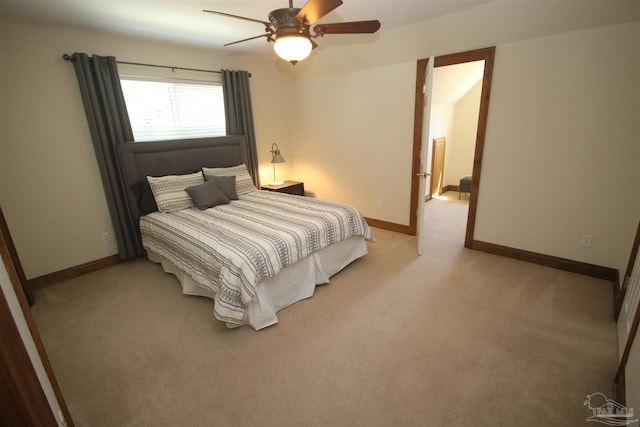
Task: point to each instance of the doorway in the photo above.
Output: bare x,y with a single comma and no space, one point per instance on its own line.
487,55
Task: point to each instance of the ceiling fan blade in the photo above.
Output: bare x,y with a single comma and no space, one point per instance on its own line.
360,27
267,24
316,9
250,38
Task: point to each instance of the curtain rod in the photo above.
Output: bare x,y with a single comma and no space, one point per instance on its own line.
68,57
167,66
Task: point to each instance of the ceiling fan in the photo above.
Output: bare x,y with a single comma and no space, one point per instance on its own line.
290,28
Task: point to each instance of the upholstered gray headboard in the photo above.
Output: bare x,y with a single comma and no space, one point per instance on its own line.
141,159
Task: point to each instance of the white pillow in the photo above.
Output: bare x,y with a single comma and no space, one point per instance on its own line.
169,191
244,183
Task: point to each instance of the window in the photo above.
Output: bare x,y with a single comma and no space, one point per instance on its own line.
173,109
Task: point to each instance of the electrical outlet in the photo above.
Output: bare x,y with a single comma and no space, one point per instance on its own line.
379,205
106,238
585,240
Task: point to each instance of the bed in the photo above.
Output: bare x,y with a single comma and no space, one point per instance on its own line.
254,254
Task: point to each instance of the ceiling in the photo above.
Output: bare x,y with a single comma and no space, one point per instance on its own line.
183,21
452,82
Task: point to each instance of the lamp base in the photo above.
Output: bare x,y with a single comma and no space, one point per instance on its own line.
276,183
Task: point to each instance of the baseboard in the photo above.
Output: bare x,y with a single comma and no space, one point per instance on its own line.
599,272
398,228
72,272
591,270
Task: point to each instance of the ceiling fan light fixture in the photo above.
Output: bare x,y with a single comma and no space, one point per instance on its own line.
290,27
293,48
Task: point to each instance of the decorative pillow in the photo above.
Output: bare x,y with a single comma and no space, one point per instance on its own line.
207,195
169,191
144,197
244,183
226,183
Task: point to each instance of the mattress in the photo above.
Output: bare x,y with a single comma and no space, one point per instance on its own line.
292,284
232,253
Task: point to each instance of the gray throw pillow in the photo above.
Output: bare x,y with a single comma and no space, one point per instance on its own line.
244,183
227,184
207,195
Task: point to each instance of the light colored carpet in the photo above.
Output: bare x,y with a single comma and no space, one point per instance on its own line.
452,338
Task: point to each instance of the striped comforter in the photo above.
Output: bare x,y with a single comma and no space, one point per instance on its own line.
231,248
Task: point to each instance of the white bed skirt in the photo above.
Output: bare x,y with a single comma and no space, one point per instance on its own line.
291,284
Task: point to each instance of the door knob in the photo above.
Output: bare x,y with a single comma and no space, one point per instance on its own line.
423,174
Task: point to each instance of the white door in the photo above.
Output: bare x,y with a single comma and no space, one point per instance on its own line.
424,153
629,339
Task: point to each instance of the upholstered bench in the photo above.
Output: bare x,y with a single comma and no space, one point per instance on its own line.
465,185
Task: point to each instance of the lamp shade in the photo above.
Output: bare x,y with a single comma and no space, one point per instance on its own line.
276,157
293,48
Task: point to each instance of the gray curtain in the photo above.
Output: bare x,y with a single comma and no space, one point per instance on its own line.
109,123
239,114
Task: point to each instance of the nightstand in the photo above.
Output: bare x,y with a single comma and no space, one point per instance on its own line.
289,187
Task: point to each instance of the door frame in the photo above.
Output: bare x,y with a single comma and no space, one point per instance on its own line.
17,372
488,55
434,146
620,380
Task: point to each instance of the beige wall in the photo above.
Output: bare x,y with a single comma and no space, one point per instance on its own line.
354,138
50,188
465,128
559,161
562,147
